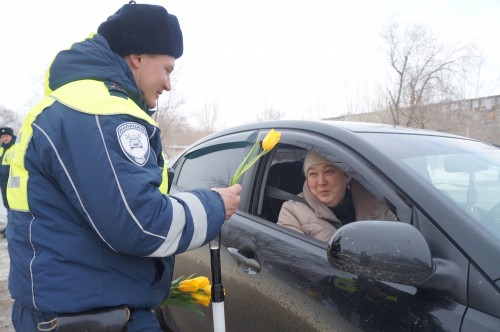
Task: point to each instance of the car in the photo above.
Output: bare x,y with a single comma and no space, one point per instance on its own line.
436,268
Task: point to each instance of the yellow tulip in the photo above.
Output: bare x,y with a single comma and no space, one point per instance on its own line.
188,286
272,138
201,281
202,299
184,290
207,289
268,143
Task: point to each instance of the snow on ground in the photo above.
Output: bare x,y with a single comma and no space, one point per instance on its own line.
3,214
5,299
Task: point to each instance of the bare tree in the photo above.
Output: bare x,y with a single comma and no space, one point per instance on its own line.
269,113
424,72
315,109
168,115
208,116
9,118
482,79
176,131
358,100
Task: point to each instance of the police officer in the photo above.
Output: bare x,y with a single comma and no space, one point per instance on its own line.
91,226
7,141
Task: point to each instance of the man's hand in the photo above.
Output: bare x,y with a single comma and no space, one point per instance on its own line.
231,198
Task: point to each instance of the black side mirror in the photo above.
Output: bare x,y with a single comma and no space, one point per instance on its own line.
382,250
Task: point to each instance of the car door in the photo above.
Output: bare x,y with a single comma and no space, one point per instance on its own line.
362,303
277,279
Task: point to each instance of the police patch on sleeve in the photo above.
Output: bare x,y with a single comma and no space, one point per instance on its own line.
134,142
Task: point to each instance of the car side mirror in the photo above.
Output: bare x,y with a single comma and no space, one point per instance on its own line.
382,250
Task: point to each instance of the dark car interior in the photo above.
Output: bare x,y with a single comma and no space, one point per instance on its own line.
284,181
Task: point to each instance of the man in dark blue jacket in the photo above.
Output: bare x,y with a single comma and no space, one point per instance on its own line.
7,140
91,225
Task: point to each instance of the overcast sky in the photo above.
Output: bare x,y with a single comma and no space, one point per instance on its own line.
244,56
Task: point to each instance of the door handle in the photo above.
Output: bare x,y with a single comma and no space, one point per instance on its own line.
248,265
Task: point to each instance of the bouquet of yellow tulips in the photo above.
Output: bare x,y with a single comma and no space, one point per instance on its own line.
268,143
189,292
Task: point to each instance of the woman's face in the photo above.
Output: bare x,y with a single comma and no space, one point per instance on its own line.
327,183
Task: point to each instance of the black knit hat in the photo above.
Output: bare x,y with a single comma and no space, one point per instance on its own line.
143,29
6,131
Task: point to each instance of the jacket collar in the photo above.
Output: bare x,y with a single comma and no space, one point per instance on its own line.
93,59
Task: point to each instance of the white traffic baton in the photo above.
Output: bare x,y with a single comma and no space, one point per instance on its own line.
217,288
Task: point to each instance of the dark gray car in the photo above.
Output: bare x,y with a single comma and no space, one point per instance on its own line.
435,269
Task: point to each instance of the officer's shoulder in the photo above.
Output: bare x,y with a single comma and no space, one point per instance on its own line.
116,90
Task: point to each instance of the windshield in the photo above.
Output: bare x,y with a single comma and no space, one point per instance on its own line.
466,171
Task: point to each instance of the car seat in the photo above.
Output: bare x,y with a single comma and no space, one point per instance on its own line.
284,181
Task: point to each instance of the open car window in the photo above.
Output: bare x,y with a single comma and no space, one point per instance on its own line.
285,179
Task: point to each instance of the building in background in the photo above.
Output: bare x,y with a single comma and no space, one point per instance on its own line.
477,118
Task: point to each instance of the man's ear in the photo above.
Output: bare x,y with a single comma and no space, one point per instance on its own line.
135,59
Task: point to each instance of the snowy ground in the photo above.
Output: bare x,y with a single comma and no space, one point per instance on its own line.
5,300
3,214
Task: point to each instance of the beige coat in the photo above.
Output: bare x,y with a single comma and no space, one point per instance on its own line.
317,220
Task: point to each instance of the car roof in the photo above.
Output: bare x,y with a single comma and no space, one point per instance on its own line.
330,127
343,130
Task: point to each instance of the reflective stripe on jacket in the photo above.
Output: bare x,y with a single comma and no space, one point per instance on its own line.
70,95
5,157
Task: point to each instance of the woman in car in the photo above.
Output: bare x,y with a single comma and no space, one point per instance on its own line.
332,199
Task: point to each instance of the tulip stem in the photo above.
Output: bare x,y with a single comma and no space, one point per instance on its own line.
268,143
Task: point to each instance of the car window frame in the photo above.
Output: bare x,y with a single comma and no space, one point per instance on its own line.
212,144
353,164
